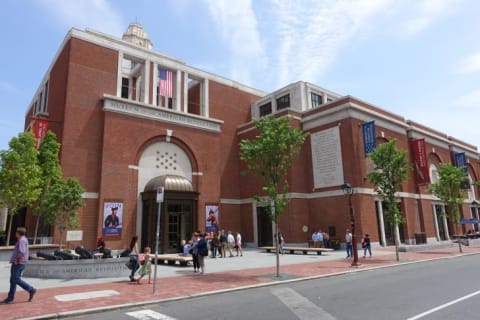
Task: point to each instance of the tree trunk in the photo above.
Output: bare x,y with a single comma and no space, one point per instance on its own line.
36,228
61,240
397,237
277,249
9,233
459,239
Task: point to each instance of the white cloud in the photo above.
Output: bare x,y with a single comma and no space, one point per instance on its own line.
311,33
470,64
425,13
95,14
238,24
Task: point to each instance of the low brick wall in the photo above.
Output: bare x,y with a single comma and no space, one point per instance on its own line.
77,269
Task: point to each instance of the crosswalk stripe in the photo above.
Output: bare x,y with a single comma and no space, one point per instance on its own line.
148,315
303,308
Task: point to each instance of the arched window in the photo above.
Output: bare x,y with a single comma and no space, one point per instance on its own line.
433,173
471,190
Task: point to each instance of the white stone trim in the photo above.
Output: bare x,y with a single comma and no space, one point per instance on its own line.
178,90
146,111
90,195
336,193
197,173
133,167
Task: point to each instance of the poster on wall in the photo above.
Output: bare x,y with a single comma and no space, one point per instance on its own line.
211,218
112,218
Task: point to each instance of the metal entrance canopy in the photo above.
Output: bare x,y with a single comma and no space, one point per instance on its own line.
170,183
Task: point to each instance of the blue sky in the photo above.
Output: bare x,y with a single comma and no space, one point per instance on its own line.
416,58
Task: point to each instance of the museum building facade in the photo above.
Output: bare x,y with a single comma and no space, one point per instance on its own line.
131,120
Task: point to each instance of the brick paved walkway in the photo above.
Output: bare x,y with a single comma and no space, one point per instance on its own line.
189,284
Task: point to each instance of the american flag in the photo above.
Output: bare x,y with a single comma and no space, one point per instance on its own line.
165,83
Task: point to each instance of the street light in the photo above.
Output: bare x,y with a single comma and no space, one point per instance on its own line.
348,190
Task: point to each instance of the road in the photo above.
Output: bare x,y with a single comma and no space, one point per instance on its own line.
444,289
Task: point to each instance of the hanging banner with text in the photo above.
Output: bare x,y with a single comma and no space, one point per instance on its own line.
421,163
461,162
369,137
40,128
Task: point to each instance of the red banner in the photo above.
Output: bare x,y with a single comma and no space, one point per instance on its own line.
40,128
422,175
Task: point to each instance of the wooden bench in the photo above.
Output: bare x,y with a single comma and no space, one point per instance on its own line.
171,259
292,250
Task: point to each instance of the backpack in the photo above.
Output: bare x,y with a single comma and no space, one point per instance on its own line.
202,248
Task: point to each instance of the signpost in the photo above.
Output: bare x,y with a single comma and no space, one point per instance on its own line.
160,194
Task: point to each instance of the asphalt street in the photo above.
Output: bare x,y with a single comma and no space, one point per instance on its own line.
444,289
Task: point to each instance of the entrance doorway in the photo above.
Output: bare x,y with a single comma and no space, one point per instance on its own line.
178,213
440,222
179,224
264,227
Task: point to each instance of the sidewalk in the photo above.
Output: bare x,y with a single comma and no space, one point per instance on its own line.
255,268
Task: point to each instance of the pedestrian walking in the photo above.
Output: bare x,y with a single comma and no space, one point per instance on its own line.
146,268
366,245
348,241
202,252
281,241
326,240
223,243
230,243
239,244
194,252
18,260
214,244
134,257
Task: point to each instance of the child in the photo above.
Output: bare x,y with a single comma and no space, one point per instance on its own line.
146,268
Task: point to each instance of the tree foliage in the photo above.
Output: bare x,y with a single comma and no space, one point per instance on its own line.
51,174
19,175
448,188
269,156
391,169
62,203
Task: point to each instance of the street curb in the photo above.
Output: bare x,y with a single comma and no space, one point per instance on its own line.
76,313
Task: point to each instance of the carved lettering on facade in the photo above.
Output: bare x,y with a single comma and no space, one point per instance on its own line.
158,114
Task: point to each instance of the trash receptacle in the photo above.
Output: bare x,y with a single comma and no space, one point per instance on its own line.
420,238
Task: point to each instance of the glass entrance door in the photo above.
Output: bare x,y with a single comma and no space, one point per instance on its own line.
179,224
264,227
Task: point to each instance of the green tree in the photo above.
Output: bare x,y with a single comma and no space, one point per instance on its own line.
269,157
51,173
63,201
448,189
19,175
391,169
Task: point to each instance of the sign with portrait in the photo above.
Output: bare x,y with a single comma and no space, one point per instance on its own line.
211,219
112,218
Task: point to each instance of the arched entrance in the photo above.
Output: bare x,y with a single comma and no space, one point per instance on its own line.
178,213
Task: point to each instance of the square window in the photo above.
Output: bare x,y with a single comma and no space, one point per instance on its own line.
316,100
265,109
283,102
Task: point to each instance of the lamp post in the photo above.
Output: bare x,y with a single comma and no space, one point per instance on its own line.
348,190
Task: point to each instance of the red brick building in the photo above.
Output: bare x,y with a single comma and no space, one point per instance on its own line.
131,119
